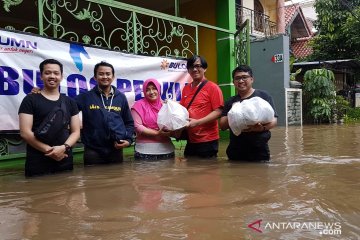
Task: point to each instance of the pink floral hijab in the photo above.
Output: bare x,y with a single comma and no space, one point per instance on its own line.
148,110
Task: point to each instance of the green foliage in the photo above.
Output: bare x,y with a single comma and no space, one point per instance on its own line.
340,107
319,89
293,74
320,109
352,115
338,25
351,31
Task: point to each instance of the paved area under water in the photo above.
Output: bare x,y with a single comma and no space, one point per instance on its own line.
309,190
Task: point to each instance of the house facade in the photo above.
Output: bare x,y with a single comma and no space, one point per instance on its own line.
224,32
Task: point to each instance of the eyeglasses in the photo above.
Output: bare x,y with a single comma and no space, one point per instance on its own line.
239,78
197,66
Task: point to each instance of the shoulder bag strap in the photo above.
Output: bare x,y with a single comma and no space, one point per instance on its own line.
63,107
197,91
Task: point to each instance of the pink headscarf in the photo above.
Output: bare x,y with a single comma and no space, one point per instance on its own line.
148,110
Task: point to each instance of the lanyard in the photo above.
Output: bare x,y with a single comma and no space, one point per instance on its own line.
102,99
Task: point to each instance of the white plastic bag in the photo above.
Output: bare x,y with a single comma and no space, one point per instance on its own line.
172,116
249,112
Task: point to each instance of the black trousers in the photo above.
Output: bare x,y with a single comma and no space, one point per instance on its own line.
92,156
250,147
202,150
38,164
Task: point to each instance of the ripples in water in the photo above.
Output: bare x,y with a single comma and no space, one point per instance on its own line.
313,177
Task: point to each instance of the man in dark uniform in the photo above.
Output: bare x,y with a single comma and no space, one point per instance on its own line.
104,99
252,143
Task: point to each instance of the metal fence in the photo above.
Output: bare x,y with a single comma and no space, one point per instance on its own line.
259,22
108,24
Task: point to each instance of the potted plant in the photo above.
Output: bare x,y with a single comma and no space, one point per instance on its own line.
293,83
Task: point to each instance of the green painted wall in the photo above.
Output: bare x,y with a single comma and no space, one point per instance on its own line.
225,18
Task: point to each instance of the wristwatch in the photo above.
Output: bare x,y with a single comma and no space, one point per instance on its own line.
67,147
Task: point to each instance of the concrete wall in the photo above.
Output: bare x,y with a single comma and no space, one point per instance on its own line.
207,37
270,76
270,9
294,106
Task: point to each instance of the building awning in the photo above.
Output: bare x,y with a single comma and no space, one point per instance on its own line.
343,65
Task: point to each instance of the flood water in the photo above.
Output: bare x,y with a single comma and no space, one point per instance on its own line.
312,181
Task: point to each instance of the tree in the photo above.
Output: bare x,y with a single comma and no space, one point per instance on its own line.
319,90
351,32
338,25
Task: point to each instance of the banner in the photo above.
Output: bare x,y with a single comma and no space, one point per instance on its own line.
21,54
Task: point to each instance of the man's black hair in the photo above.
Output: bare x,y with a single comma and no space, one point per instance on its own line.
50,61
103,64
242,68
191,60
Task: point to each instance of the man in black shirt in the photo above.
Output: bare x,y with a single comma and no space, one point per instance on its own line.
252,143
56,155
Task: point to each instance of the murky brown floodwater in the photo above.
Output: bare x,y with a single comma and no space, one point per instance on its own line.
312,180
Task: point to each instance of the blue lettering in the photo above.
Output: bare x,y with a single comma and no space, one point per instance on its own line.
28,76
8,84
77,84
177,91
7,43
177,65
30,44
39,82
167,92
93,82
138,89
71,84
19,43
172,65
123,85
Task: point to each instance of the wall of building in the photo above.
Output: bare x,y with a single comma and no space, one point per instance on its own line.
270,9
248,4
270,76
204,11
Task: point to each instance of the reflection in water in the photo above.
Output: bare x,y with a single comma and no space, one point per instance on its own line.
313,177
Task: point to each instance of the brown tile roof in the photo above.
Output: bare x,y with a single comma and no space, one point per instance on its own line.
301,47
290,11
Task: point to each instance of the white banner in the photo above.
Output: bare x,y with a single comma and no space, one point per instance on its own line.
21,54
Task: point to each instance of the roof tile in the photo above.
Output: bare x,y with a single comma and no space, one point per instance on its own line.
301,48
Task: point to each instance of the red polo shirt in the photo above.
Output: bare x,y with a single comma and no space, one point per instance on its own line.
207,100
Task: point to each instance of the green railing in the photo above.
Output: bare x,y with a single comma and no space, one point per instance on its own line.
242,44
109,24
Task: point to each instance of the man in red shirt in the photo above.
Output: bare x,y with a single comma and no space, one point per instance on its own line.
205,109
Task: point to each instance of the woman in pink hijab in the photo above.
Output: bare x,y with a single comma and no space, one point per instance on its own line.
151,142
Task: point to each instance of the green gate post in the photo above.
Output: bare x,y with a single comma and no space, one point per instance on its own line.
225,18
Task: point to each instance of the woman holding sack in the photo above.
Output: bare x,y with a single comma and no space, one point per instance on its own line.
151,142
